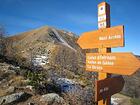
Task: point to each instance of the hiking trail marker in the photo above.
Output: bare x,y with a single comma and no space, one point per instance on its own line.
103,38
105,87
104,62
116,63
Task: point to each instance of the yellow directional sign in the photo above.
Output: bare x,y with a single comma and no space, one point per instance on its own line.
116,63
102,38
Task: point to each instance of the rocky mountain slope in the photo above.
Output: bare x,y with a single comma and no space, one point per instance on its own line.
47,65
47,46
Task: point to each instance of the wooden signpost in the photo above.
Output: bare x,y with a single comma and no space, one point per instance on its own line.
107,87
104,62
103,38
116,63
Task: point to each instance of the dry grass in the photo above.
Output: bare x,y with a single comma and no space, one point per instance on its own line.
3,92
17,81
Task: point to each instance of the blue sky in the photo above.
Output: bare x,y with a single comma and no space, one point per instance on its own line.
77,16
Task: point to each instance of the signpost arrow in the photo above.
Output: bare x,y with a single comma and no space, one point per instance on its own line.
107,38
107,87
116,63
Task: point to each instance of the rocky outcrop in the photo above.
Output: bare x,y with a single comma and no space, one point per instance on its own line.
74,93
14,98
132,85
67,85
52,99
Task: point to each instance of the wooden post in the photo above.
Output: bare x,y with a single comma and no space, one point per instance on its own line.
103,76
104,22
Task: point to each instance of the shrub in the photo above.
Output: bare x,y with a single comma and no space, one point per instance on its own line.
135,101
35,78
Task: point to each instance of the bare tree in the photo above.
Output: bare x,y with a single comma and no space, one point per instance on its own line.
2,40
9,50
